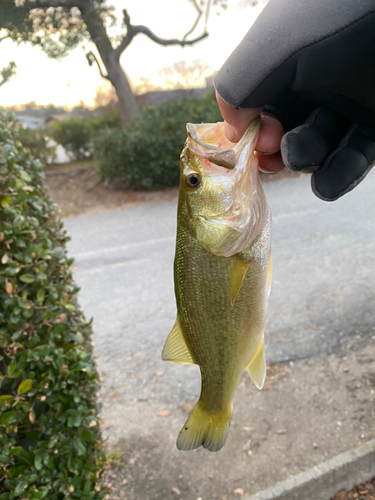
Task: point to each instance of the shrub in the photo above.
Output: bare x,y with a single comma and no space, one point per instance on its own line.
74,135
109,119
146,153
38,143
50,443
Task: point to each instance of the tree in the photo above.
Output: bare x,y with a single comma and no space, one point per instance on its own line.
65,23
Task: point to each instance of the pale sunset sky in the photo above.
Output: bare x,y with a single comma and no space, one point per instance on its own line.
70,80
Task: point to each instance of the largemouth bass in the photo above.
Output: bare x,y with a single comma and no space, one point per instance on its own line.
222,274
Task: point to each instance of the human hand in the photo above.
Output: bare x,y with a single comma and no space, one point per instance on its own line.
312,65
237,120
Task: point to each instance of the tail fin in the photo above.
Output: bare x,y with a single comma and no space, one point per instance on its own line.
205,429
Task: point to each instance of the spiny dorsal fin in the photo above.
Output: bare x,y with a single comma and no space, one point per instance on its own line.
257,366
269,275
238,274
175,348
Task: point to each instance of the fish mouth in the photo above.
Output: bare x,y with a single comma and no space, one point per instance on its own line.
207,140
232,223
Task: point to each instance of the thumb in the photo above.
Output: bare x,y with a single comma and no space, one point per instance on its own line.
236,119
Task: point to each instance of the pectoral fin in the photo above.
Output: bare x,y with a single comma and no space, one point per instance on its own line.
257,366
175,348
238,274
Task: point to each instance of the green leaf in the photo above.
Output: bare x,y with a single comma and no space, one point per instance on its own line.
8,418
40,493
59,362
13,371
38,464
88,436
15,472
27,278
4,338
74,421
21,454
25,386
79,447
20,487
41,295
25,176
6,399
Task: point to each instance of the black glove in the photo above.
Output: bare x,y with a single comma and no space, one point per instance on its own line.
311,63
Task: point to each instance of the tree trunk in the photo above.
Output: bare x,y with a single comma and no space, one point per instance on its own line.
111,60
128,103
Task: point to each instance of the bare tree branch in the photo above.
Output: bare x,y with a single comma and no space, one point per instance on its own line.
132,31
196,21
173,41
127,39
91,59
207,14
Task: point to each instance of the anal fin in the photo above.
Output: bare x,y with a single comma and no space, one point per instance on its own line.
257,366
238,275
175,348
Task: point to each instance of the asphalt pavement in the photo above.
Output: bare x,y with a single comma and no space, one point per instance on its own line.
323,289
321,310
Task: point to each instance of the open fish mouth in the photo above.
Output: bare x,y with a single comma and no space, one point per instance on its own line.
207,139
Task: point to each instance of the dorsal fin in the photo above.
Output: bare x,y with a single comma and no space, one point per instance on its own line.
175,348
257,366
239,272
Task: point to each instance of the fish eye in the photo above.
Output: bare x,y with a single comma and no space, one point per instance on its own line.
192,180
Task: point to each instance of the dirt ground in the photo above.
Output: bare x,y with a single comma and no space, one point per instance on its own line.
77,189
309,411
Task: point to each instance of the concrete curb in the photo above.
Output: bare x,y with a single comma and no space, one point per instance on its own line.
326,479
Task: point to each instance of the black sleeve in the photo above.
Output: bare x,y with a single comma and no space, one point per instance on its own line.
324,50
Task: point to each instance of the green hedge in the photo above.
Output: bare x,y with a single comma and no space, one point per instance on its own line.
146,153
108,119
50,442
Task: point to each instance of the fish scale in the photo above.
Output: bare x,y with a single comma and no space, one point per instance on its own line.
222,277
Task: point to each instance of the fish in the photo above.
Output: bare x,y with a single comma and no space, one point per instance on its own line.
222,275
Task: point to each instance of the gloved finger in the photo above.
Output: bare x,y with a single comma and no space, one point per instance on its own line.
347,166
305,148
290,108
270,164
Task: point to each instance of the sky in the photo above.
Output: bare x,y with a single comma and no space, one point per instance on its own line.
71,80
